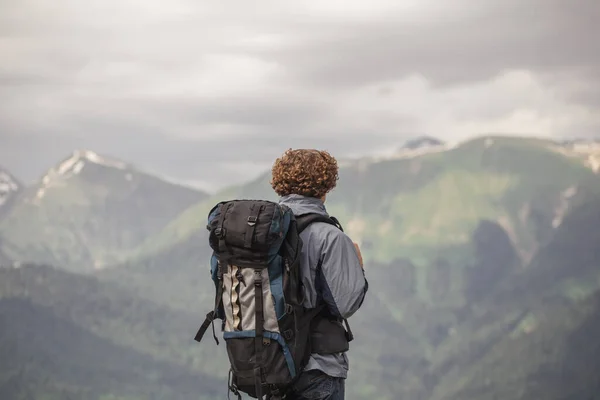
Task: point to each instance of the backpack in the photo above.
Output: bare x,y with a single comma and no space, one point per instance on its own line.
269,334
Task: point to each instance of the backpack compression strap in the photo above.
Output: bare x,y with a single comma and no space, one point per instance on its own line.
223,262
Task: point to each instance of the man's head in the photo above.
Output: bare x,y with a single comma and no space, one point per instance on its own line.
305,172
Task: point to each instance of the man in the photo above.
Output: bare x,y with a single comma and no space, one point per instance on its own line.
331,264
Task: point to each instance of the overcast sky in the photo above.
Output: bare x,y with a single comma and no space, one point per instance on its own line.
210,92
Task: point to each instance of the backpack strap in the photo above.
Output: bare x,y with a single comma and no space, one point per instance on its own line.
210,320
210,317
303,222
259,320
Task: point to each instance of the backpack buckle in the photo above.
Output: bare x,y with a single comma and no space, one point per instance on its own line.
289,309
252,220
288,335
220,232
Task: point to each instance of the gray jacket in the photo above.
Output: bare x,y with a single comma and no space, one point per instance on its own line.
341,283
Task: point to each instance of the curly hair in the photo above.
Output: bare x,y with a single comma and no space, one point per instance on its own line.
306,172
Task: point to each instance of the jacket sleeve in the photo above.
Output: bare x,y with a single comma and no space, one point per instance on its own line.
340,279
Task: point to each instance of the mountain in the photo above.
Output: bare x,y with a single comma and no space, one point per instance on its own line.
10,188
120,317
177,276
439,232
45,356
536,334
580,142
89,211
524,332
426,208
422,142
482,259
532,335
587,150
83,325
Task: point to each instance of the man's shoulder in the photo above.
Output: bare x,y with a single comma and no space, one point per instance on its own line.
326,233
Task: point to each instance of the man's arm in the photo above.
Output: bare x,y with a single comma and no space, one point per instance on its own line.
341,279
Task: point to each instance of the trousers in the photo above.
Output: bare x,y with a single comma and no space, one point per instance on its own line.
316,385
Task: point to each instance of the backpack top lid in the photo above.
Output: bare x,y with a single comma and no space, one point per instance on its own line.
248,232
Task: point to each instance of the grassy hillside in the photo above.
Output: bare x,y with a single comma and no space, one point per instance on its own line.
88,212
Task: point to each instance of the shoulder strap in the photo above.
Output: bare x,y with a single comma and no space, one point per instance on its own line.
303,221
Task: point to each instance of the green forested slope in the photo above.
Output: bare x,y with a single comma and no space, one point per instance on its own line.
48,357
116,315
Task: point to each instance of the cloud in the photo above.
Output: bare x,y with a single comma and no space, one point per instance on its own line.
450,43
213,91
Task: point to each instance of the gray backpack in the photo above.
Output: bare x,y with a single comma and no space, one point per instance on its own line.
269,335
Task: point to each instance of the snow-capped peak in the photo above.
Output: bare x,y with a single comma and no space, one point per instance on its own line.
8,186
74,165
77,161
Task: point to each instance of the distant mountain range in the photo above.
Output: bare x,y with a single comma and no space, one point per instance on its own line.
88,211
482,257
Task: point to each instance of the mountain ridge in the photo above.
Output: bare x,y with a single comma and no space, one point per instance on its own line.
88,211
425,167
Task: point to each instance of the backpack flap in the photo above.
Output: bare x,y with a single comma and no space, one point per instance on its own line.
246,232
